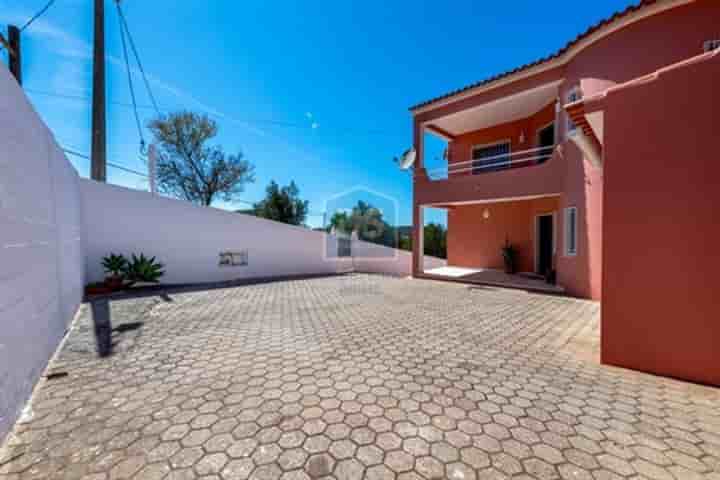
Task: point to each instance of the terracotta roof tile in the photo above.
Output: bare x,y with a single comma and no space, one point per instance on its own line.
616,16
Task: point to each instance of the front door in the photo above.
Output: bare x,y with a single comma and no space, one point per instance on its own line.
544,243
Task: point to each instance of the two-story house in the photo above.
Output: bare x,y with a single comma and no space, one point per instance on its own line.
524,166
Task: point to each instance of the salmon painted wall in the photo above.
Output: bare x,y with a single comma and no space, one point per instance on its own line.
661,308
474,241
638,49
460,149
644,48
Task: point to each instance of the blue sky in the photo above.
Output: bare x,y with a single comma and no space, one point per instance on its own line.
312,91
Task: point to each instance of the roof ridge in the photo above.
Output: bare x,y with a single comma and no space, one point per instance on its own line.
570,44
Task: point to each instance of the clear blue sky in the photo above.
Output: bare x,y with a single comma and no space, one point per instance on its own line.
313,91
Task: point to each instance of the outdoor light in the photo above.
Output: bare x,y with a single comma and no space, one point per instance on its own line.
486,214
522,136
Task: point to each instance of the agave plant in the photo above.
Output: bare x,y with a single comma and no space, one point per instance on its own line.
143,269
114,265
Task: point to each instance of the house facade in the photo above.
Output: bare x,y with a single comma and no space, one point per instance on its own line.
525,158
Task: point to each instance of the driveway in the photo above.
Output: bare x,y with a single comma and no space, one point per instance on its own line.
358,377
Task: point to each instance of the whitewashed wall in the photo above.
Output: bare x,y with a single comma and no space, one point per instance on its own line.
372,258
41,262
188,239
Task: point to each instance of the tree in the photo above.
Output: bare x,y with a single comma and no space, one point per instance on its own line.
189,168
435,240
282,204
367,221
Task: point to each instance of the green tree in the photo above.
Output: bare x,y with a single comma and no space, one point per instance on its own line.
367,221
191,169
435,240
282,204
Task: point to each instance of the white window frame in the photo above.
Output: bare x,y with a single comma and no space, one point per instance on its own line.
567,232
486,145
572,95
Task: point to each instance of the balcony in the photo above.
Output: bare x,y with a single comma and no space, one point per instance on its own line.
493,163
529,173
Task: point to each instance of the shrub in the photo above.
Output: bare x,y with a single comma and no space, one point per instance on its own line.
143,269
114,265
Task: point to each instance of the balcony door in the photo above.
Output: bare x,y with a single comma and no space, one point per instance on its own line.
546,139
490,158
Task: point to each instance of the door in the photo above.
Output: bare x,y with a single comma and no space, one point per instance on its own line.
544,243
546,138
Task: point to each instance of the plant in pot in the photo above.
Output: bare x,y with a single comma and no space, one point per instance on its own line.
114,266
509,254
142,271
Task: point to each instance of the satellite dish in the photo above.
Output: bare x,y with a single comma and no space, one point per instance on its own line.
407,159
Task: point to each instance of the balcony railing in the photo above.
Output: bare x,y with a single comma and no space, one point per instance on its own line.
505,161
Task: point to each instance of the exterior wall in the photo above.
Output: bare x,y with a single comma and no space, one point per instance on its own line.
476,242
461,148
662,225
643,48
41,273
188,240
373,258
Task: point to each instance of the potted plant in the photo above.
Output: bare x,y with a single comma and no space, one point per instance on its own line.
142,271
509,254
114,266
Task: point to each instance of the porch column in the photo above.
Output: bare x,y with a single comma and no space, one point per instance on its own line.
417,240
419,176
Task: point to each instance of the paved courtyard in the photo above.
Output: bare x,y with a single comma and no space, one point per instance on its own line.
358,377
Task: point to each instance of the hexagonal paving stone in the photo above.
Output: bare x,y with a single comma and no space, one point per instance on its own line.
319,465
349,469
327,379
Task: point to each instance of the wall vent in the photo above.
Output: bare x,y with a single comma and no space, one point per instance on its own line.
711,45
234,259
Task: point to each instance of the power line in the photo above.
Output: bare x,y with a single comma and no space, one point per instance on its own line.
129,77
37,15
129,170
124,22
277,123
114,165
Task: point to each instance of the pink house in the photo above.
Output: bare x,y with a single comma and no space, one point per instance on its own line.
551,157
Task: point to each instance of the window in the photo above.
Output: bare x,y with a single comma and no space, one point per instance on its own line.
490,158
573,96
570,231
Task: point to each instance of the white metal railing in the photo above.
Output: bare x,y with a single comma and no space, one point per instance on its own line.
497,162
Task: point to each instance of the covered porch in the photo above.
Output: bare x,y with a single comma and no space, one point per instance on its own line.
477,233
493,277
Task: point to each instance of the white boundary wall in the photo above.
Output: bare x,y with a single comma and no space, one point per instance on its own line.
188,239
373,258
41,262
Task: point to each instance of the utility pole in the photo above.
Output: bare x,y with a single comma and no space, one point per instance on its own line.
98,168
14,53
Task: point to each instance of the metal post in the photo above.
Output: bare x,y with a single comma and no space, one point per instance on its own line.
15,54
152,167
98,160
